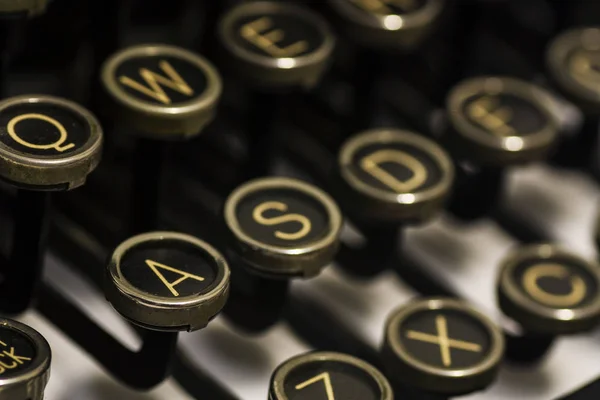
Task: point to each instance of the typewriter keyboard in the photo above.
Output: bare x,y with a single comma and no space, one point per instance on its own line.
299,200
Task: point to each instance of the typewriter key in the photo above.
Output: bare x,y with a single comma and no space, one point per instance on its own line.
498,121
167,281
388,23
573,60
494,122
442,346
276,49
164,93
390,176
281,228
549,292
328,376
46,144
24,362
385,179
276,45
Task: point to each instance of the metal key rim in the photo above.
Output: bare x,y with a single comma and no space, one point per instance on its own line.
388,135
558,54
315,57
329,205
488,363
418,19
145,298
40,368
280,374
205,101
515,294
542,100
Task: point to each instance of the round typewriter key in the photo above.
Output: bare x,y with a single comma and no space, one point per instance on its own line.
550,291
163,92
443,346
574,64
327,376
498,121
24,362
46,144
573,60
388,23
283,227
167,281
276,44
394,176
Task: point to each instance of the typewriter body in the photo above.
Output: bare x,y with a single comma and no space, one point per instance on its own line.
299,200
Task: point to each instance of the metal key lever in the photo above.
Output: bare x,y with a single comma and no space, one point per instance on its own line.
143,369
86,255
36,167
162,94
275,50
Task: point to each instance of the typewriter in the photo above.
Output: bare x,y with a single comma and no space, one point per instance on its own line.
299,200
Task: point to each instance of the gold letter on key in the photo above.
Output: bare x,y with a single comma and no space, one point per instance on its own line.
259,210
17,360
495,119
154,80
585,68
252,32
326,381
155,267
57,145
443,340
556,271
371,165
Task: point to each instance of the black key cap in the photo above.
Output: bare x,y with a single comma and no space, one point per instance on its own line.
281,229
499,121
328,376
162,93
276,49
467,347
48,144
24,362
494,123
167,281
549,292
276,44
388,23
387,179
390,176
573,59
